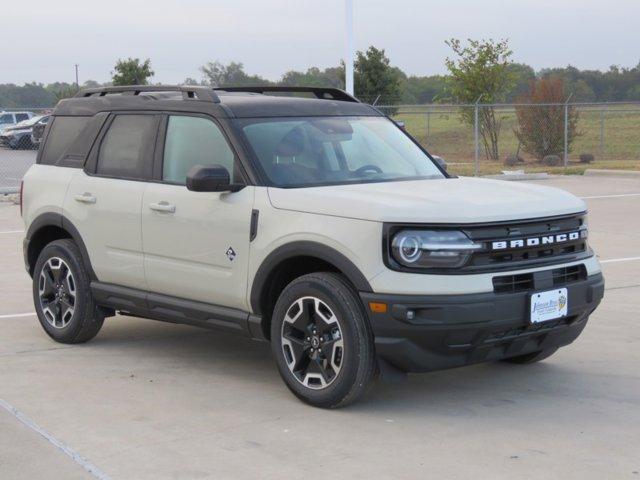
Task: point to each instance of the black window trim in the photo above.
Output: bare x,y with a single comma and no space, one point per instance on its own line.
91,165
162,139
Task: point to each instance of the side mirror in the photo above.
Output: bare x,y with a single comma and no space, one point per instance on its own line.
211,178
441,162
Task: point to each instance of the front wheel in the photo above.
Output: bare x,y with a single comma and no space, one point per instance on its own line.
322,342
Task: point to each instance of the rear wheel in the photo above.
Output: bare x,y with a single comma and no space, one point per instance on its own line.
531,357
62,295
322,342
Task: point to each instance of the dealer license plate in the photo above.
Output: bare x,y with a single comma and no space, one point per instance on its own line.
549,305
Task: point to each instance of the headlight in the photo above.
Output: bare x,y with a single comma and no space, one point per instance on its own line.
432,248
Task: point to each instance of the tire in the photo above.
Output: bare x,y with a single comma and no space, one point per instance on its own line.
62,294
318,321
531,357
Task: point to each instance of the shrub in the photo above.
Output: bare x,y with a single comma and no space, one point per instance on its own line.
541,127
586,158
512,160
552,160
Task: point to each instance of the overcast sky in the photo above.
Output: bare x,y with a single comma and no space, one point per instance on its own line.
42,40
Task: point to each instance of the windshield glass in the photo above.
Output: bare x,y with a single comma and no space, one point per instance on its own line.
310,151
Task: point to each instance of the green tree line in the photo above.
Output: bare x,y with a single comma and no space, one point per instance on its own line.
376,80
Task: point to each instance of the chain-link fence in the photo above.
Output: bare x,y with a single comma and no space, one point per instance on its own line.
473,139
18,147
556,138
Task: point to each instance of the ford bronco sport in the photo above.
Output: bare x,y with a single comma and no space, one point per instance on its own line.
302,217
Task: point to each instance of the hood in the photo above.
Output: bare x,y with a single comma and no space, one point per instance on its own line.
452,200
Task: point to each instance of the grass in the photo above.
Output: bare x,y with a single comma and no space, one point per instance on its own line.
612,136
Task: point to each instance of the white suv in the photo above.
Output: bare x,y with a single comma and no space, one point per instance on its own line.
9,119
305,218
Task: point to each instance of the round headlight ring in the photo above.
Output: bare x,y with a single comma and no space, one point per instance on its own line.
409,249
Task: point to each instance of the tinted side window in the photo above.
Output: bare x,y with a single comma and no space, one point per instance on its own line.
124,151
6,118
20,117
64,131
194,141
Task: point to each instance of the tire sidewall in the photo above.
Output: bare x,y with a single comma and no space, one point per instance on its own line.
63,250
354,335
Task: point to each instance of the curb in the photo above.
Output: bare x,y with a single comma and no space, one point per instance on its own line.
593,172
514,177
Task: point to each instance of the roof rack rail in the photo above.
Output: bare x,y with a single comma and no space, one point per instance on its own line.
323,93
188,91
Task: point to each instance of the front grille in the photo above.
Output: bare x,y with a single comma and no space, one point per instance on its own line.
527,281
513,283
524,256
565,275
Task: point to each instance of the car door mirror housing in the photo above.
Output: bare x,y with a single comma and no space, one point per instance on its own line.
210,178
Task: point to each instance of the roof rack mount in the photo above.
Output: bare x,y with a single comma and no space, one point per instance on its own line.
322,93
188,91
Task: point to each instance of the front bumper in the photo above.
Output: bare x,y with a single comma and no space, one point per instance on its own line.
454,330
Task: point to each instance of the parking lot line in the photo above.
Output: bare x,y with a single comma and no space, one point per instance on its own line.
619,195
17,315
12,231
615,260
67,450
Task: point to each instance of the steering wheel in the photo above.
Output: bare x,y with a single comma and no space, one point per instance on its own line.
366,168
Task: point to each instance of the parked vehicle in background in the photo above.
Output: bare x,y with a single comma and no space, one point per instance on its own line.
19,136
38,130
314,223
9,119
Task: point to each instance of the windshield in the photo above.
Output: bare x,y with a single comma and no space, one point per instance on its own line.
310,151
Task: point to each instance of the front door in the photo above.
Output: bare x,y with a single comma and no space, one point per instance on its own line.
196,244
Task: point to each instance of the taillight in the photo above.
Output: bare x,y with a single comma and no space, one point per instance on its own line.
21,187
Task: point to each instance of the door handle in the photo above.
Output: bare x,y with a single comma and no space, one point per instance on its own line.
86,197
165,207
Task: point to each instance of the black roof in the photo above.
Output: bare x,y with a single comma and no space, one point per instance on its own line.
225,102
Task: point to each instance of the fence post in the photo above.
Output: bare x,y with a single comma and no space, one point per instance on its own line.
428,127
566,131
602,132
476,139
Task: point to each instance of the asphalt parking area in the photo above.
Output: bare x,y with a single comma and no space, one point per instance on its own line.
153,400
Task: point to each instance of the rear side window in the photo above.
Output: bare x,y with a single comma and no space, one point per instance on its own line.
64,131
125,149
6,118
194,141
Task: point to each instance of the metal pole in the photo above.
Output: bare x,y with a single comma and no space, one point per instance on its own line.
348,61
476,137
566,131
602,132
77,83
428,127
477,153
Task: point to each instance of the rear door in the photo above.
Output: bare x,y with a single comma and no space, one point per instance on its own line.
196,244
104,201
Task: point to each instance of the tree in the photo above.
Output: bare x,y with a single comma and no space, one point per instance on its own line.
314,77
375,79
132,72
62,90
481,71
541,128
217,74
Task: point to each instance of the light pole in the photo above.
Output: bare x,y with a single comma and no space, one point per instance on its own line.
348,61
77,83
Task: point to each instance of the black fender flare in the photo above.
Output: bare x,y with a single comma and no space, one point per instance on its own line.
306,249
51,219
